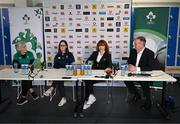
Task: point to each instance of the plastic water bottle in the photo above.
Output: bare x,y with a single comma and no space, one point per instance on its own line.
82,69
24,69
123,69
74,70
89,69
68,70
16,70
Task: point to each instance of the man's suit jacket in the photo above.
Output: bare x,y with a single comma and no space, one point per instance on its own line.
103,63
146,62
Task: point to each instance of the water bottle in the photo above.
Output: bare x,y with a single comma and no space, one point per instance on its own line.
123,69
85,69
68,70
89,69
16,70
24,69
74,70
82,70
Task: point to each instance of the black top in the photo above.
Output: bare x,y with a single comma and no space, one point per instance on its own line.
61,60
146,62
103,63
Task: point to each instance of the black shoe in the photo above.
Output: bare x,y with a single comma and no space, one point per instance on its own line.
81,115
22,101
147,105
133,99
34,96
75,115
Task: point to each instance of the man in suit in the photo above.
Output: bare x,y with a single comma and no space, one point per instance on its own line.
141,59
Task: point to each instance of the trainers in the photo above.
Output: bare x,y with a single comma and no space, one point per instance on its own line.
91,99
62,102
85,106
34,96
22,101
48,92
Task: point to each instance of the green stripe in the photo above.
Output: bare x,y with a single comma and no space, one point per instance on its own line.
152,32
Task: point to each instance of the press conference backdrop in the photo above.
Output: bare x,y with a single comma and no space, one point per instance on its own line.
26,25
83,23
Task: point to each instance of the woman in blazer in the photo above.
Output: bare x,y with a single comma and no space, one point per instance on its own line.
101,59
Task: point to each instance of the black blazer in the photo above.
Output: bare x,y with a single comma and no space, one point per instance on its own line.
103,63
146,62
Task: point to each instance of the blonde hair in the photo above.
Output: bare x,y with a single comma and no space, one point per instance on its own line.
19,45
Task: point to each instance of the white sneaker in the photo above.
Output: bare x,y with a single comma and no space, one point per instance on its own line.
62,102
91,99
48,92
85,106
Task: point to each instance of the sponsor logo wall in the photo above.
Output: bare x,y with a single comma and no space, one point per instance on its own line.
83,23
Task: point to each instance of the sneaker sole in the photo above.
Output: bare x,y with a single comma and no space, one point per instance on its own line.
22,103
62,104
36,98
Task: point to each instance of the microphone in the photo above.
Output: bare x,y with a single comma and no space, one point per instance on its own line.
138,74
32,67
108,73
43,66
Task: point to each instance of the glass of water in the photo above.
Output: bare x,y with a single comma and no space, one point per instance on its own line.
15,65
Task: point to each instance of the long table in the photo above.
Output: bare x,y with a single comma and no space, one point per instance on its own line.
60,74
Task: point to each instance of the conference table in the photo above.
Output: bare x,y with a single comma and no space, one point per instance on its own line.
100,75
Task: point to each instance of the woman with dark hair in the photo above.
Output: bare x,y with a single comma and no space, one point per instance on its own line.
62,58
100,59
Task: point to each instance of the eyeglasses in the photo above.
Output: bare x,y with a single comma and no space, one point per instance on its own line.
62,45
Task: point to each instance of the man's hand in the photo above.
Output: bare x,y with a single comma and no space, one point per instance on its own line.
132,68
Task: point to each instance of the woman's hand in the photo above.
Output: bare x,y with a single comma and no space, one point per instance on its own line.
108,70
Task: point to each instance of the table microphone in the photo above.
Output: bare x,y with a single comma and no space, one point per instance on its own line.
138,74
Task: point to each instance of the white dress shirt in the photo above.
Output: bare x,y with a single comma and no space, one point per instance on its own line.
139,54
99,57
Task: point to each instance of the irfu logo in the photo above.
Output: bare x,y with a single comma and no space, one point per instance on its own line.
26,19
151,17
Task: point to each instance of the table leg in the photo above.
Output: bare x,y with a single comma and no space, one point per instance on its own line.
161,106
0,94
77,101
82,100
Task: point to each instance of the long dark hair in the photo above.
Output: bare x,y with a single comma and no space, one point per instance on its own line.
67,49
103,42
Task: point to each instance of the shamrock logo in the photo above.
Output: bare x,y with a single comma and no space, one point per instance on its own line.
151,17
26,18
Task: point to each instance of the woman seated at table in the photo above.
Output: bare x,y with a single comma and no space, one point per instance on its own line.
101,59
24,57
62,58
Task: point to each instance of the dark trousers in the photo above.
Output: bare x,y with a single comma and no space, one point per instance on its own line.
26,85
145,87
60,87
89,88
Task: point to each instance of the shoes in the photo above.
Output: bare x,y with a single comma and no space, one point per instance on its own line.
147,105
34,96
133,98
85,106
22,101
62,102
48,92
90,101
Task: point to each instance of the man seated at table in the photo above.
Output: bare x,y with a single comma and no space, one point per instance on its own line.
140,59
